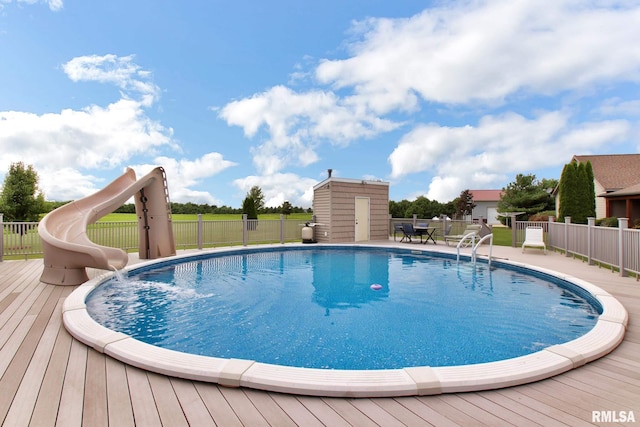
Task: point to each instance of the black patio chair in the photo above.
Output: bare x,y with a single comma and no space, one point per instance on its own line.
409,232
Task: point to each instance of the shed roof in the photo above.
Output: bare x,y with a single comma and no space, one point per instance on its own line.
349,181
614,171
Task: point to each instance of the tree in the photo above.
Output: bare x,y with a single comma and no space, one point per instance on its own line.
464,204
21,200
249,208
258,198
525,195
577,192
286,208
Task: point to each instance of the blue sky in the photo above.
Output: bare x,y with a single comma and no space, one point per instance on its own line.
433,97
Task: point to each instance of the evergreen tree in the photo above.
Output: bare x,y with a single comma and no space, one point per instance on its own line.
258,198
591,191
577,193
525,195
249,208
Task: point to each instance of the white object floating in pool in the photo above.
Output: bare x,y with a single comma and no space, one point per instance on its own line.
376,287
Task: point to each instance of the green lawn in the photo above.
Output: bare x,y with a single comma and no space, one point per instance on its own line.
120,217
501,236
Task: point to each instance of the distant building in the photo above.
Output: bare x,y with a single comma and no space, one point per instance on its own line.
617,185
486,202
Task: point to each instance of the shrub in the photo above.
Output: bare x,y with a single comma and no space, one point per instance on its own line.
611,221
542,216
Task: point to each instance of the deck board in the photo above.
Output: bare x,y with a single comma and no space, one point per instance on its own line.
167,402
119,401
48,378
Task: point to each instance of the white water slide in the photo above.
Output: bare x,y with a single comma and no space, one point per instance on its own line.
68,251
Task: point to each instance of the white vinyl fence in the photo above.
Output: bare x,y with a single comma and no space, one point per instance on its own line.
617,247
21,240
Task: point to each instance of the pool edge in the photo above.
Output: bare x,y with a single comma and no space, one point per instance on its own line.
606,335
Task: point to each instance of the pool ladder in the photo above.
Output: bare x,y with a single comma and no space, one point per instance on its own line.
474,245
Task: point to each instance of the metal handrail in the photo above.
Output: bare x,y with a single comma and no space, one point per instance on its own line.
475,248
474,245
472,235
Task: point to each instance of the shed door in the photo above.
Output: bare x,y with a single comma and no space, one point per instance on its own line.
362,219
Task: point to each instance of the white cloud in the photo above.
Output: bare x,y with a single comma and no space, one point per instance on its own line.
496,149
54,5
95,137
184,174
67,183
118,70
487,51
280,187
297,122
63,146
478,54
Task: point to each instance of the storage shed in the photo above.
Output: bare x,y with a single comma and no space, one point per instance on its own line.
351,210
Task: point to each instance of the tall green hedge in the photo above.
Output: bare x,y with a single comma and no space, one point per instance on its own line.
577,193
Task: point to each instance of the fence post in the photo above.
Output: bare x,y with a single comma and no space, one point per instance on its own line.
282,228
567,221
550,239
2,238
622,224
415,219
244,229
444,217
514,231
199,231
591,222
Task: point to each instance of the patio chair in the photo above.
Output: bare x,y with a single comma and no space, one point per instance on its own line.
471,228
409,232
534,237
397,229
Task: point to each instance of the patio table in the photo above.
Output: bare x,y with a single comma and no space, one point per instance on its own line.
427,232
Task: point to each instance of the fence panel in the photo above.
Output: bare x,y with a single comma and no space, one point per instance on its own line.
20,239
185,234
556,235
604,245
521,227
632,251
577,239
122,235
263,231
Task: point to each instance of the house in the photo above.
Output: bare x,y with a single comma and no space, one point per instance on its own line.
486,202
350,210
617,185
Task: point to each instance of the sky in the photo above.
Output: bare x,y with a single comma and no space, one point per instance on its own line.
432,97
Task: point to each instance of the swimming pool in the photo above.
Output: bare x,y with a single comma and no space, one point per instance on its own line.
331,282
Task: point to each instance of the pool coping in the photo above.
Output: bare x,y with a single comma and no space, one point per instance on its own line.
606,335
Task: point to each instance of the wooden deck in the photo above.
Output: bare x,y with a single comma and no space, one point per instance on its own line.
48,378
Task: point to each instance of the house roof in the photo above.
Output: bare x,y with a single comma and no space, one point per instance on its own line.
485,195
614,171
634,190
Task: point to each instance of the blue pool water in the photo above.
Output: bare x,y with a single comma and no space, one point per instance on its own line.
315,307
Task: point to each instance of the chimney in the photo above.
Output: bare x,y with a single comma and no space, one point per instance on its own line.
329,171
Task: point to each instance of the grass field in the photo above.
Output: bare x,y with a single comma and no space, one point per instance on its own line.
120,217
502,236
